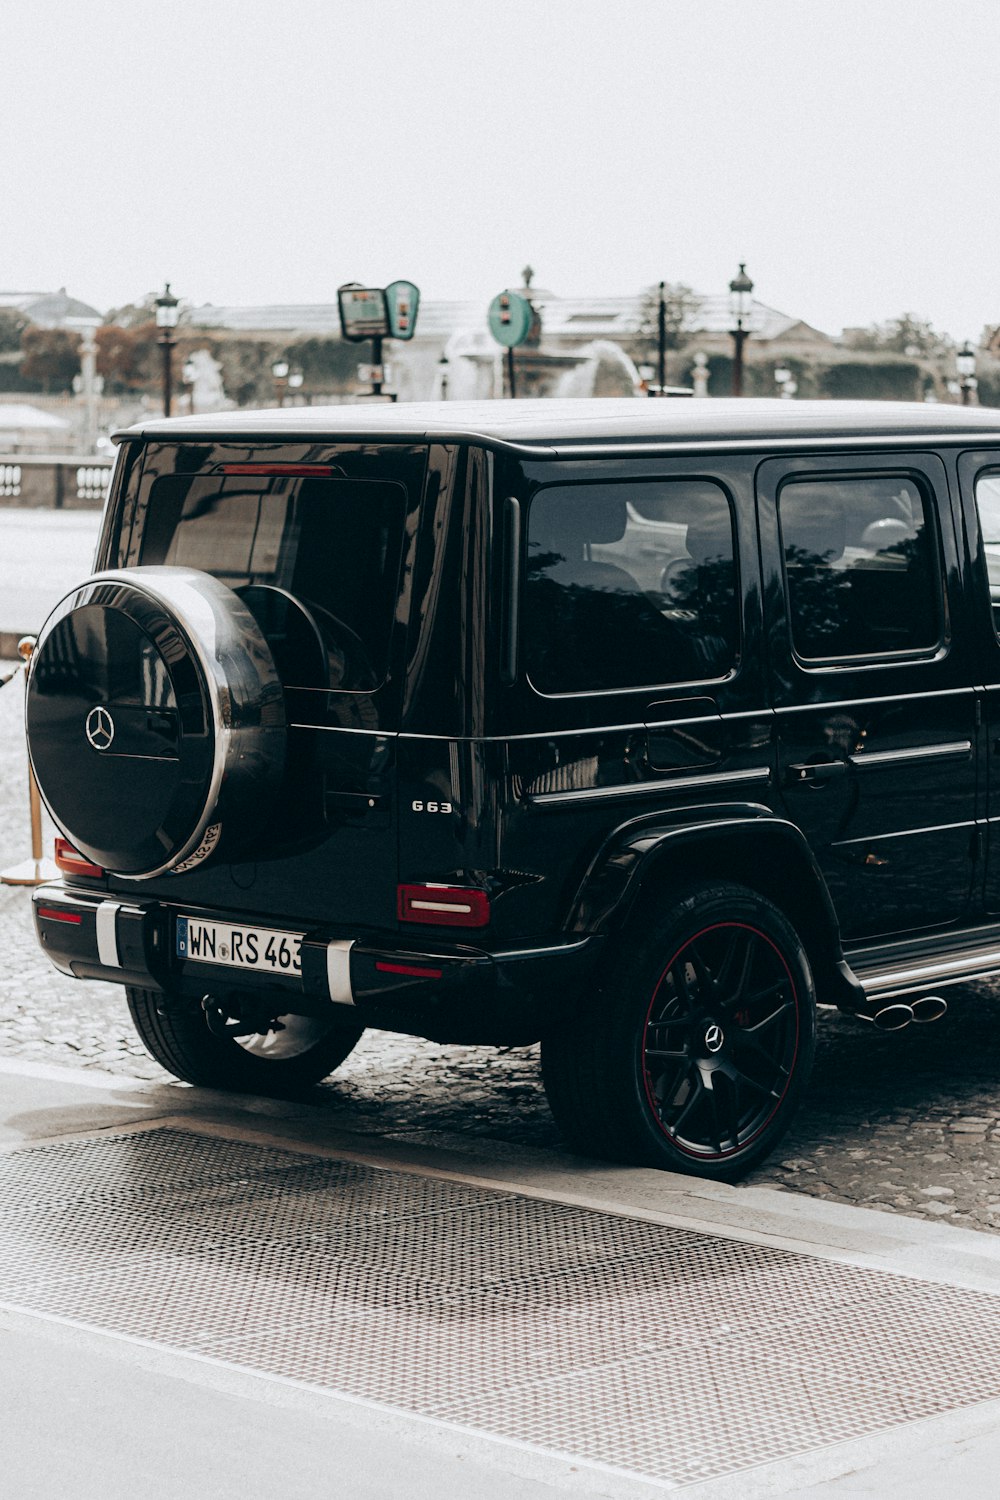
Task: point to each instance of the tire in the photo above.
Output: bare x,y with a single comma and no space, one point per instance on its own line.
694,1053
280,1059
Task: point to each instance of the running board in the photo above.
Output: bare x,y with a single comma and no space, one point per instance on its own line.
961,967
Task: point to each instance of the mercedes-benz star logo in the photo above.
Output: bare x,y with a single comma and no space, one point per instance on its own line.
100,727
714,1038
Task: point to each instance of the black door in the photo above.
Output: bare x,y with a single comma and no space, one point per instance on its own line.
872,672
979,478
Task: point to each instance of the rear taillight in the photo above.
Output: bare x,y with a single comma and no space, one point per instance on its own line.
72,862
443,905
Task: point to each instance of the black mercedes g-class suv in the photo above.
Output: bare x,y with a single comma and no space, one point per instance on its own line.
635,728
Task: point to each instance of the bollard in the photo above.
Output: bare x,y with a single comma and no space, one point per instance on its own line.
36,870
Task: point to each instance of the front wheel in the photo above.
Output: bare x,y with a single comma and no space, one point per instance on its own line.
694,1054
273,1054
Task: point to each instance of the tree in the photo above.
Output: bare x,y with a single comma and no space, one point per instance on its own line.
873,380
906,334
126,356
50,356
246,368
134,314
327,364
680,303
12,326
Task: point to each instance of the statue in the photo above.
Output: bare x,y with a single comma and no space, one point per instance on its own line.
203,375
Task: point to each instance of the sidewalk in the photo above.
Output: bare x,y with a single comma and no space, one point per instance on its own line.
43,554
160,1194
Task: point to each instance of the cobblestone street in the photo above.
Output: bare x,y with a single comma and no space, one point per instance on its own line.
906,1122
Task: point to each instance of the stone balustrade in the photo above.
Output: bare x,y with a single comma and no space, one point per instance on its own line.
55,483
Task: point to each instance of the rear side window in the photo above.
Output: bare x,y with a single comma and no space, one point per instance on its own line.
988,506
629,585
860,565
315,559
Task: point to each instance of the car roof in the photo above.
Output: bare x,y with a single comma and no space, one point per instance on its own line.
552,425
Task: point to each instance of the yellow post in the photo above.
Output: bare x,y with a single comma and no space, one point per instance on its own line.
36,870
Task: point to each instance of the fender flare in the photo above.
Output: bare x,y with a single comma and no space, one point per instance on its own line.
641,852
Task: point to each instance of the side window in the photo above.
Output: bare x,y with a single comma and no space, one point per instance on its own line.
629,585
860,566
988,506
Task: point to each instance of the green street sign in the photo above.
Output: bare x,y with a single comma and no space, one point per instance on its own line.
510,318
363,312
402,299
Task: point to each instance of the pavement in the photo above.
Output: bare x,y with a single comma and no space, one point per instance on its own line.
43,553
80,1398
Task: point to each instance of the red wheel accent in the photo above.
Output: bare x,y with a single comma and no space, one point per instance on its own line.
724,1018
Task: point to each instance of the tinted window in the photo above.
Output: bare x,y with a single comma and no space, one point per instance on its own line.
316,559
860,566
629,585
988,506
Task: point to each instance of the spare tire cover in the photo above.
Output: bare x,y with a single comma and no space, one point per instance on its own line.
155,718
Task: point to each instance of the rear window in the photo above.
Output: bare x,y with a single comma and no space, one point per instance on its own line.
315,559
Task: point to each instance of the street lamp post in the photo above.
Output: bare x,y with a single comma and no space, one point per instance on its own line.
444,369
965,364
295,379
166,322
661,340
740,292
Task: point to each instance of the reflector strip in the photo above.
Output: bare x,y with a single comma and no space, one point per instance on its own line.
409,969
107,934
73,917
438,906
443,905
289,471
338,971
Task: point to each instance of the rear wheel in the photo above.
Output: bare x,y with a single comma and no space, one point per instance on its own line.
198,1041
695,1053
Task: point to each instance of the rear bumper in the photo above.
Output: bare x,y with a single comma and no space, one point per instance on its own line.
446,991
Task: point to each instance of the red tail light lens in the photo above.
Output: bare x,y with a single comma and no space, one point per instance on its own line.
443,905
72,862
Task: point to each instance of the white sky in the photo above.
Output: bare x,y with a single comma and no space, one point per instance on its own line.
258,151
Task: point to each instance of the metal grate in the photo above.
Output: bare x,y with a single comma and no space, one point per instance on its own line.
656,1350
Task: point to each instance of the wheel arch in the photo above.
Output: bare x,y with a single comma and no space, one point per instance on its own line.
769,855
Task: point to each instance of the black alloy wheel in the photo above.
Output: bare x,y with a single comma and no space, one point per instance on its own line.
696,1052
720,1040
195,1040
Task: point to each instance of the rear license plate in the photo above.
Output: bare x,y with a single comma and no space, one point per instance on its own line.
260,948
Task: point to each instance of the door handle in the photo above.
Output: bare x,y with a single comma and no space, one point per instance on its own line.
816,773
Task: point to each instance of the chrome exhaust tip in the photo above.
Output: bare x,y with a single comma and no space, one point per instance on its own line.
928,1008
887,1017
